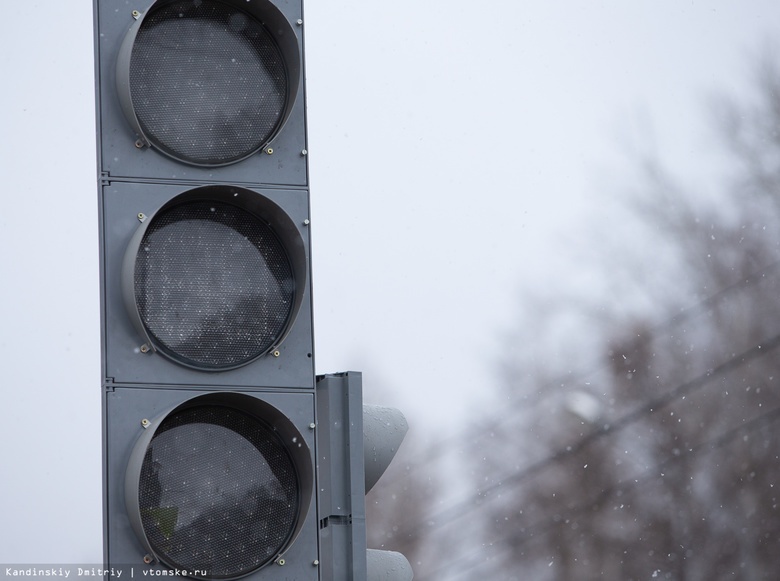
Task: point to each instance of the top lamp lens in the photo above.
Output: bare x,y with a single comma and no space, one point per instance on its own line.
208,82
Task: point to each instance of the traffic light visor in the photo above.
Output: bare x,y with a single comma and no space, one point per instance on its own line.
219,486
214,279
208,82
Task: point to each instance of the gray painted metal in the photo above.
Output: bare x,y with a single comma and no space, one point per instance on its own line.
140,386
294,238
118,156
133,181
340,477
328,415
356,444
124,361
384,429
127,407
265,11
388,566
257,407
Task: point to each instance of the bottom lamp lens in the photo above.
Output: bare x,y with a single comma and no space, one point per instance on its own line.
218,492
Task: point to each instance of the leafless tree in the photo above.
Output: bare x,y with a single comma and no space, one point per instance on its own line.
663,459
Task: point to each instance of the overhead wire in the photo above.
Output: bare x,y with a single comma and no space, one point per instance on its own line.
476,558
464,507
436,449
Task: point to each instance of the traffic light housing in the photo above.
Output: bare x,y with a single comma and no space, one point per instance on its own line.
217,484
355,446
209,405
224,457
384,428
190,86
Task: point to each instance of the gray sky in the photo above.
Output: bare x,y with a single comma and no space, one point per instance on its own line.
459,160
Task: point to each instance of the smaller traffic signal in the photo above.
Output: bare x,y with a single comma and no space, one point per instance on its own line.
356,444
384,428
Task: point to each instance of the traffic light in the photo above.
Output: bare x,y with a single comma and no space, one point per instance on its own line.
224,456
384,429
353,452
209,403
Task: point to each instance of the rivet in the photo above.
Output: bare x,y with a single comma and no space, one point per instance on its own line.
299,22
139,143
141,216
316,562
144,348
148,559
306,222
276,353
145,423
312,426
281,562
136,14
304,152
269,150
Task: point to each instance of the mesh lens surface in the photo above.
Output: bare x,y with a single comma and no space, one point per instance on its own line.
213,284
217,492
207,81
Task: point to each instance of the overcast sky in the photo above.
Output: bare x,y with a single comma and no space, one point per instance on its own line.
457,156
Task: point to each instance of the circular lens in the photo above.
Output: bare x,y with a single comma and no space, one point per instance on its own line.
218,492
208,82
214,286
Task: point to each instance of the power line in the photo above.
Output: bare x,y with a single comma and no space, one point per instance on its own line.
470,562
464,507
437,448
